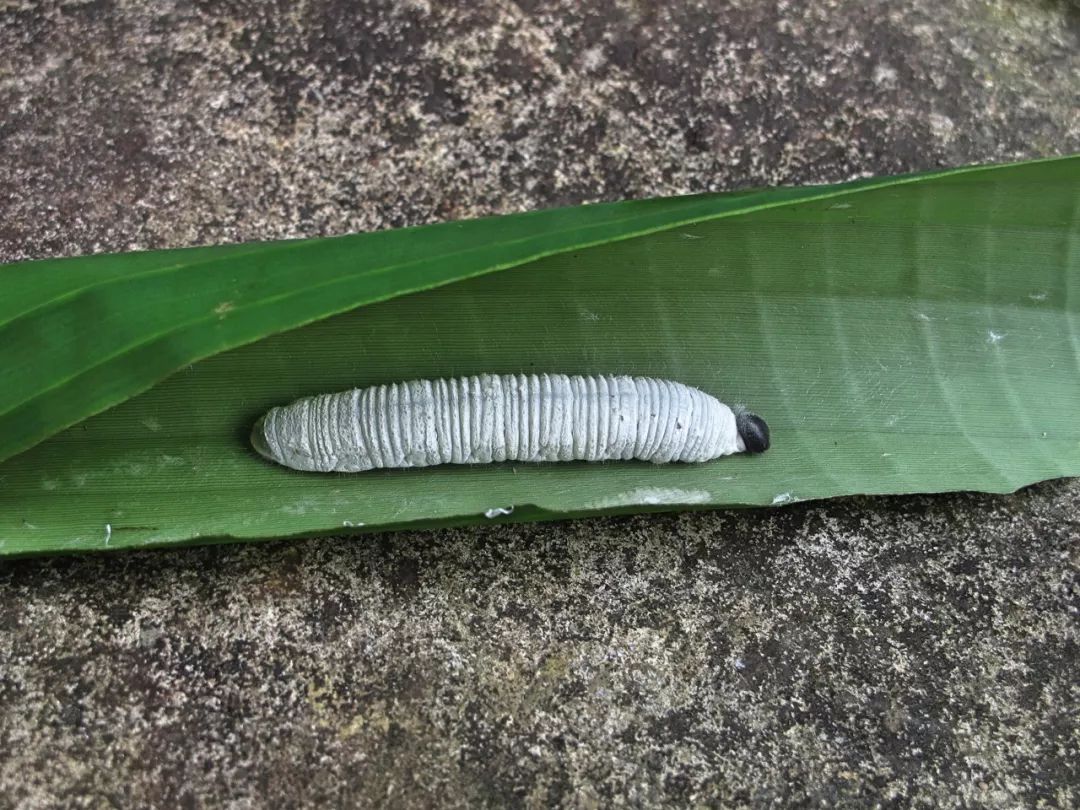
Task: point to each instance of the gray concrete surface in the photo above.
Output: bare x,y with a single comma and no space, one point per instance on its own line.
867,652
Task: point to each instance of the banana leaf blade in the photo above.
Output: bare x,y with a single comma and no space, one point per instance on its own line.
915,336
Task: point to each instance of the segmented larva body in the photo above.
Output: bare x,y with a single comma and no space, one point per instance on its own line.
505,417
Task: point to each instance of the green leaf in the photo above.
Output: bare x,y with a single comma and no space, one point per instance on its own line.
900,335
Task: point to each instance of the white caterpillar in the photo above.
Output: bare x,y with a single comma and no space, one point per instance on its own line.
505,417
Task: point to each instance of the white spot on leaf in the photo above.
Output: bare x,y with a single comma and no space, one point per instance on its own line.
652,496
784,497
498,511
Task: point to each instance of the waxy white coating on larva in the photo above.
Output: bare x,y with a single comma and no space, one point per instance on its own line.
499,417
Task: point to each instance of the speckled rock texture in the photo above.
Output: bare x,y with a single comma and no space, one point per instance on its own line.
865,652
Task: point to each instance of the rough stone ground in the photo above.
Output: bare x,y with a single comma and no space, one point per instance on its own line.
911,651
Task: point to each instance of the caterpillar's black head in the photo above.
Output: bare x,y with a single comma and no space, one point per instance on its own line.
753,431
